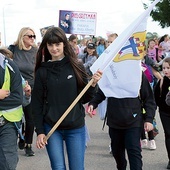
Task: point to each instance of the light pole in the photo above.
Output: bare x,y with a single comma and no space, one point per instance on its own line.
3,15
4,24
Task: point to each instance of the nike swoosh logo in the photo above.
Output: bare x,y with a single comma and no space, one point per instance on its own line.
69,76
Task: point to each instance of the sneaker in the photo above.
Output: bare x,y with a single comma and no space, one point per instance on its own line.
152,144
29,151
144,144
168,166
21,144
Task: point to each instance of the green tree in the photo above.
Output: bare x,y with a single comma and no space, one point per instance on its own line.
161,12
150,35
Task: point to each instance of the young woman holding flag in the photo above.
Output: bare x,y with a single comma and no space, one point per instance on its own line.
63,77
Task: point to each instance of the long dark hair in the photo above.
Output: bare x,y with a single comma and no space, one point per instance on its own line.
162,38
57,35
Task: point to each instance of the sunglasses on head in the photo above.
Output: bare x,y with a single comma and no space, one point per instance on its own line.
31,36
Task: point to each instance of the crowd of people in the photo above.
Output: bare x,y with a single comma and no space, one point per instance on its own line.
34,83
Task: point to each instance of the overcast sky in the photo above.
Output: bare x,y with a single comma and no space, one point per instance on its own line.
114,17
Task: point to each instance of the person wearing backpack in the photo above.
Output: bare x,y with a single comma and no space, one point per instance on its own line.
11,98
125,122
161,90
26,87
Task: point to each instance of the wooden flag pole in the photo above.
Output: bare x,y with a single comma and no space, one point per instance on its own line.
68,110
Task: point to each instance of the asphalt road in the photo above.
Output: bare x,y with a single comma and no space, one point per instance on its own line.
97,153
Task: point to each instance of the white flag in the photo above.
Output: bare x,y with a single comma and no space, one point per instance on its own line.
121,61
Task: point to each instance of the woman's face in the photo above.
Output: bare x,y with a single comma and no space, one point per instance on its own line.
90,51
73,42
56,50
166,69
29,38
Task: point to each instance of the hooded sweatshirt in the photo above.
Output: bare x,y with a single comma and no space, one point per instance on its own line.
62,89
125,113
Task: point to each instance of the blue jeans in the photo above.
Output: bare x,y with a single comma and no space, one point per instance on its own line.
74,140
128,139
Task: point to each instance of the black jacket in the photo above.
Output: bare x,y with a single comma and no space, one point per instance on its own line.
123,113
160,94
62,89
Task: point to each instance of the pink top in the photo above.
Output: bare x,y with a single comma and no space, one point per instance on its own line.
152,53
